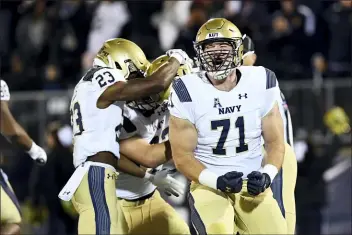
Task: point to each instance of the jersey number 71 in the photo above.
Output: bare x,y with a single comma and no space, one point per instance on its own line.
225,124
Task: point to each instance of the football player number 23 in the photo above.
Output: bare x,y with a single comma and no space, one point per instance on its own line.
76,119
225,125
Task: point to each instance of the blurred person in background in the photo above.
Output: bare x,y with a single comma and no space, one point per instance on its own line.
251,17
173,18
141,28
284,183
108,21
32,35
10,215
58,170
186,36
22,77
314,158
51,77
70,25
338,23
292,28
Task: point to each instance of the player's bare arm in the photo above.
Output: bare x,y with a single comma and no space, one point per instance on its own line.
149,155
183,139
129,167
135,89
12,130
18,136
273,134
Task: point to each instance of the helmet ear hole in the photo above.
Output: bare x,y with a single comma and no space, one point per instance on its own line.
118,66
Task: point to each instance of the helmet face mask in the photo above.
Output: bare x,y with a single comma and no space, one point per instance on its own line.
133,71
217,56
219,47
146,104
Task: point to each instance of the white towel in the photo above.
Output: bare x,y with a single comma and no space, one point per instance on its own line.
4,175
71,186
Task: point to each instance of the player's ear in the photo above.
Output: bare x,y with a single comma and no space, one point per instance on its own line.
254,56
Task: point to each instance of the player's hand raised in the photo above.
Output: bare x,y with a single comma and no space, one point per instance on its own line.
257,183
166,183
37,154
231,182
179,55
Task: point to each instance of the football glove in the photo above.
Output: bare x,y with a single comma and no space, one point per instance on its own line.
37,154
257,182
179,55
166,183
231,182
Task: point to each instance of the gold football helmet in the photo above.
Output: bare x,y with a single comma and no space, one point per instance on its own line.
124,55
337,121
219,62
152,102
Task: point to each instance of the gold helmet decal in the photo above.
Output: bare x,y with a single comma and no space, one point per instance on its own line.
124,55
220,61
154,101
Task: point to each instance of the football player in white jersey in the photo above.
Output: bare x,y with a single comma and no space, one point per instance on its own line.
283,185
148,120
217,119
10,215
96,111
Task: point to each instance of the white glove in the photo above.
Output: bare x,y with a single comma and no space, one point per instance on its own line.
37,154
166,183
179,55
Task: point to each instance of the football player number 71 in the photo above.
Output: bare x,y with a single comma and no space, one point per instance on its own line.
225,125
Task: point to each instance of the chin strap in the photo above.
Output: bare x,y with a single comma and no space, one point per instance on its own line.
221,75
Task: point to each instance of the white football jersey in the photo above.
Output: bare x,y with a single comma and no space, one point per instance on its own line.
154,129
4,91
286,117
95,130
228,123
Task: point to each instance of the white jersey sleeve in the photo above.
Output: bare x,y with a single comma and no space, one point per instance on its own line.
286,116
132,124
284,112
271,93
105,78
5,92
180,101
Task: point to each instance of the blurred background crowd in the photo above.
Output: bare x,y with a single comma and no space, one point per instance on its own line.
46,46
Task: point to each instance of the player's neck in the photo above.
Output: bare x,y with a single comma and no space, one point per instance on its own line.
226,84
